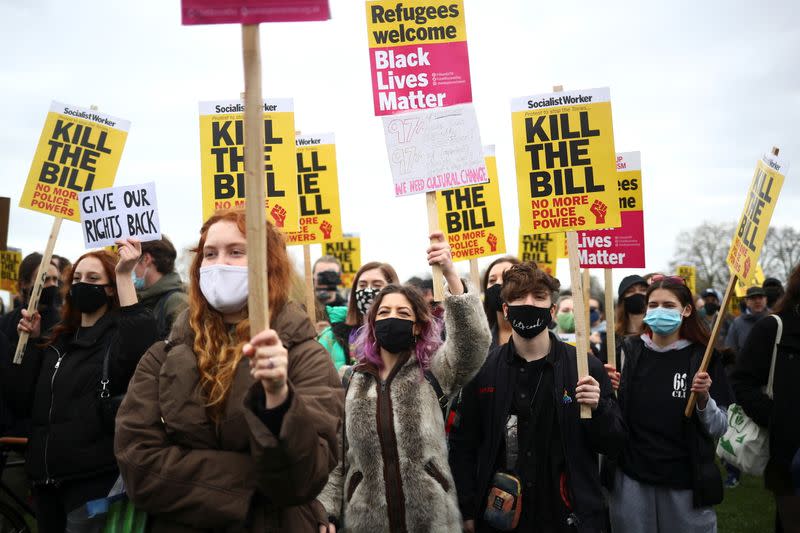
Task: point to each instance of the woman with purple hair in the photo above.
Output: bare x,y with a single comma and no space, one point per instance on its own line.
394,474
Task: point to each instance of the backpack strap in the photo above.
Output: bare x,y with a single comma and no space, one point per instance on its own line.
444,400
778,335
105,379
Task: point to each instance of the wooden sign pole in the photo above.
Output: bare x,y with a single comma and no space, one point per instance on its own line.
475,275
712,340
611,334
311,301
38,285
579,310
729,291
433,225
255,184
5,208
586,284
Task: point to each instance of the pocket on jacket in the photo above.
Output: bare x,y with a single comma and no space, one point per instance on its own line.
436,474
352,485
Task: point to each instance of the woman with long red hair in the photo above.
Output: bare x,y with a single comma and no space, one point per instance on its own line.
221,431
63,388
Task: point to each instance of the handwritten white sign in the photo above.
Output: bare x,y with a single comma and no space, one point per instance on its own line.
434,149
108,215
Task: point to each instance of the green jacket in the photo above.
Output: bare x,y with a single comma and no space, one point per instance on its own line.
329,341
167,299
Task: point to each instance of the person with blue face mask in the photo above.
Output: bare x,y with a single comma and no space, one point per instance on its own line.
666,479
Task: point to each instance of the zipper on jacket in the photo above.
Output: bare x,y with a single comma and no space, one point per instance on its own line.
391,459
49,481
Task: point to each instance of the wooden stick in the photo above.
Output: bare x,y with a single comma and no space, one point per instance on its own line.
578,309
311,301
711,341
38,285
611,334
586,284
5,208
475,275
581,324
433,225
255,184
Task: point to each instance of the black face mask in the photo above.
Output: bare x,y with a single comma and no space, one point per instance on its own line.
711,308
50,297
395,335
635,304
528,320
88,297
493,301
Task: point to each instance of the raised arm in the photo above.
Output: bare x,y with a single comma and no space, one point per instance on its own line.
466,327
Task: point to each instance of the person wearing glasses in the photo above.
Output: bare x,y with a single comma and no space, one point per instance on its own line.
665,478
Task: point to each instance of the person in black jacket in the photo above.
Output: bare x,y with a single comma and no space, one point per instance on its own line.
520,414
666,479
779,414
70,456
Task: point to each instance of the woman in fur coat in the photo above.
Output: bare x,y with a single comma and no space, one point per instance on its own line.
394,476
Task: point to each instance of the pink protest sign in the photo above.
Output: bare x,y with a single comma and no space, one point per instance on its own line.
621,247
418,55
252,11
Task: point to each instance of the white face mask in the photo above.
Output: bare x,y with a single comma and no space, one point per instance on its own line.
224,287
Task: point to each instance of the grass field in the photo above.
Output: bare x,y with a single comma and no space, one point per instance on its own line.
749,508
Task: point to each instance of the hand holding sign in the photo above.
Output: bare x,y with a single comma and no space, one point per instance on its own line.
439,254
129,251
269,362
30,323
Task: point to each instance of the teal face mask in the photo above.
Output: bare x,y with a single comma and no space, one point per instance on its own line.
138,283
663,321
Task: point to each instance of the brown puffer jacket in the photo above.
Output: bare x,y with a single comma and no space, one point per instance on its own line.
191,476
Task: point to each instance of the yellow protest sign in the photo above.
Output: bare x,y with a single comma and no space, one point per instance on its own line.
471,217
689,274
222,159
754,222
348,252
9,269
318,191
542,248
756,280
565,161
79,150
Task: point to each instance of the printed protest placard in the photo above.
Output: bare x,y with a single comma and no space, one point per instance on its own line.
348,251
621,247
565,161
79,150
222,159
542,248
754,222
318,191
119,213
9,269
689,274
417,54
756,280
472,218
252,11
434,149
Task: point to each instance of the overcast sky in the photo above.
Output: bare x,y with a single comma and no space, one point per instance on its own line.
700,88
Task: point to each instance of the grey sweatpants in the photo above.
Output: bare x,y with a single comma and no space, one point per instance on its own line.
640,508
